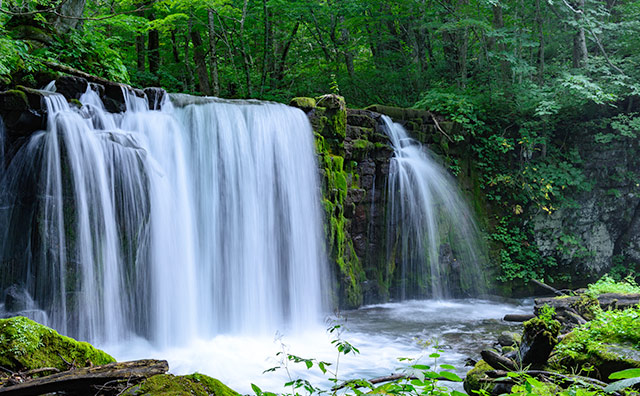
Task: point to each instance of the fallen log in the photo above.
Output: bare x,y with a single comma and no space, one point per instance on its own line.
86,380
518,317
498,361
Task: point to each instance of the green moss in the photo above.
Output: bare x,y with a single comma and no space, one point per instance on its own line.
472,382
610,342
27,345
13,100
303,103
338,179
170,385
546,328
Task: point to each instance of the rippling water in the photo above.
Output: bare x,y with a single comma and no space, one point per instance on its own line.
382,333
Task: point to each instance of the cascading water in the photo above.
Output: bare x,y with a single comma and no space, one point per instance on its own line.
432,235
174,224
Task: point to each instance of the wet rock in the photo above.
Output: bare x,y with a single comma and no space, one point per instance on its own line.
509,338
16,299
113,98
22,112
71,87
155,96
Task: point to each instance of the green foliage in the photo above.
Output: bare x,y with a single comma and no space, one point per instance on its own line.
607,284
608,327
519,258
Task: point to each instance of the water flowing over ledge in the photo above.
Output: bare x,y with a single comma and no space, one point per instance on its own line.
432,235
188,222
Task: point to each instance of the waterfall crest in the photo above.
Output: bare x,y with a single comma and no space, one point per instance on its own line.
432,236
196,220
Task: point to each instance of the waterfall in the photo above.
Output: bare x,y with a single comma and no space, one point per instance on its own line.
199,219
432,236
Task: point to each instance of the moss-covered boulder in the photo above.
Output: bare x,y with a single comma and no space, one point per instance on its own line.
472,383
27,345
303,103
170,385
539,338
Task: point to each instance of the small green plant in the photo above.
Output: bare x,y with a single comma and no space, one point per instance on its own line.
607,284
628,378
416,378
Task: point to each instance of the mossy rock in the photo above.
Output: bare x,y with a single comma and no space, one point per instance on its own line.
170,385
27,345
472,382
14,100
32,33
303,103
604,358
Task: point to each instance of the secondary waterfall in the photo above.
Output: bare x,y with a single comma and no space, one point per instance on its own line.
196,220
432,235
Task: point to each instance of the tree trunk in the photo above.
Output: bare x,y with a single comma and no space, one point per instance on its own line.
243,50
198,58
140,50
541,44
213,56
73,10
279,72
266,50
579,41
174,47
154,49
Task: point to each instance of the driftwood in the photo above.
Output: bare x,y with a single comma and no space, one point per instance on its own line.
498,361
89,379
518,317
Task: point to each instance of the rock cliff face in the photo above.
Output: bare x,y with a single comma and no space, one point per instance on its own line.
599,229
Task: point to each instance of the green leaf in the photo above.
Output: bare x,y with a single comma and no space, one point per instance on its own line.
256,389
447,367
450,376
308,363
616,386
624,374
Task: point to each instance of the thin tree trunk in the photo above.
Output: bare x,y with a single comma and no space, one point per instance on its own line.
174,47
266,53
498,23
154,51
279,72
187,73
140,50
345,40
213,56
199,59
580,53
541,45
243,50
